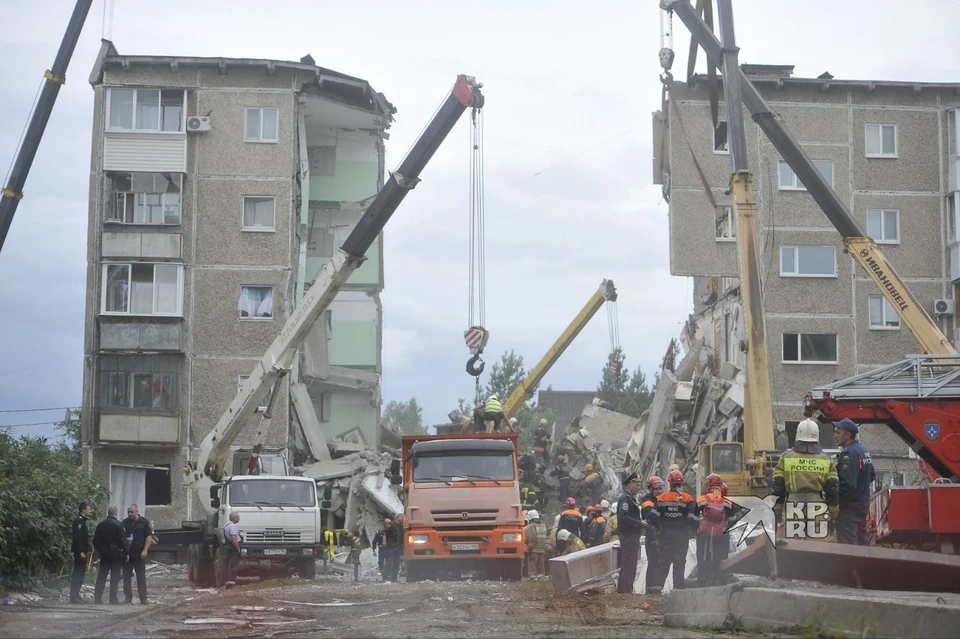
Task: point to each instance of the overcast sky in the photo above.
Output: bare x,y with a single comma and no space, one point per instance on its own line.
569,200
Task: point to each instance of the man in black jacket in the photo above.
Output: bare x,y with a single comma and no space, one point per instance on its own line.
109,540
139,533
81,550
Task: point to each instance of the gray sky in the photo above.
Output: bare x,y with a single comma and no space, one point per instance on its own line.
569,199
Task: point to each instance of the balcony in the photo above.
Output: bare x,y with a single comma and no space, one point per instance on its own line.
126,428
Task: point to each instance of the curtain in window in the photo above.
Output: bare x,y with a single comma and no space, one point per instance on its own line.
256,301
128,485
117,288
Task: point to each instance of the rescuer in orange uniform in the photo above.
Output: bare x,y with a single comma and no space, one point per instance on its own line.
677,516
713,545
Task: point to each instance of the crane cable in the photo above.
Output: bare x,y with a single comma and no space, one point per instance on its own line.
476,336
613,328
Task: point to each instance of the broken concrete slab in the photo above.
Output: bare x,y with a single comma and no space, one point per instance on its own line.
606,426
313,434
343,467
339,449
380,489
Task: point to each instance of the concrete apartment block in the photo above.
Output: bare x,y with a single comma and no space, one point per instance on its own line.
202,239
890,149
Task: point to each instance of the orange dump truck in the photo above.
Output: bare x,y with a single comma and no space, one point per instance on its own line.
462,503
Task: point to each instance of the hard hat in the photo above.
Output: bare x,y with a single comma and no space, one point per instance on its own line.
808,431
654,482
588,467
714,481
386,522
675,478
847,424
674,467
584,433
563,534
513,421
596,400
543,421
605,505
494,396
571,502
532,514
561,458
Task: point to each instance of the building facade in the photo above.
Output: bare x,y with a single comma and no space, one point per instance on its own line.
890,151
218,188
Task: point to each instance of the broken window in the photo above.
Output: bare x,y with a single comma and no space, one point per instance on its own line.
142,289
813,348
882,313
256,302
881,140
720,138
790,182
146,109
726,226
259,213
808,261
260,125
140,382
140,485
143,198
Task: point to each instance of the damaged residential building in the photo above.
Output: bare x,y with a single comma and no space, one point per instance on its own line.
890,151
218,188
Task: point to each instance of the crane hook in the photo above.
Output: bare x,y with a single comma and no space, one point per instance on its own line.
471,365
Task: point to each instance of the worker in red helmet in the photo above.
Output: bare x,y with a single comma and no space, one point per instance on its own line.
651,520
677,516
570,519
713,544
562,472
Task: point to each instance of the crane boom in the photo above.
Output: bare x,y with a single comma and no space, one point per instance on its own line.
524,390
279,357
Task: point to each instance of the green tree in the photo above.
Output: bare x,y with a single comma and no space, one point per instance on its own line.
506,375
405,417
628,393
71,434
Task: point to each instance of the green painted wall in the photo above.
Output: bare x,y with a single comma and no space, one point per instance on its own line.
353,181
354,344
367,276
344,417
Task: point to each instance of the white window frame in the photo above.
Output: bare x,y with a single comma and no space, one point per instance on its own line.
273,312
725,151
796,262
883,215
260,139
952,132
104,267
881,154
798,334
258,229
796,184
261,408
158,131
951,213
115,195
731,224
887,314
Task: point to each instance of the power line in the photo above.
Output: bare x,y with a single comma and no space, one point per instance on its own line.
37,410
30,424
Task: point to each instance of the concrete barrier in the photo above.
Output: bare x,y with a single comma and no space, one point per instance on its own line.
584,567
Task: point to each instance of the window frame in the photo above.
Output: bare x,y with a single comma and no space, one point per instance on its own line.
884,308
257,229
731,224
881,154
951,131
113,194
802,362
254,318
105,267
183,111
796,262
883,213
725,151
951,213
796,180
260,140
261,408
155,366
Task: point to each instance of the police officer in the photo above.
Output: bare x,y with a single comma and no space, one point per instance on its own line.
629,526
110,541
855,470
805,473
81,550
139,533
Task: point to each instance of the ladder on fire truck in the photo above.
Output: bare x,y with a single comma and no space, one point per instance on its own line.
917,377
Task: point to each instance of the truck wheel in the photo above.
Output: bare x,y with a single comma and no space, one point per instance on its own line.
414,573
512,570
308,569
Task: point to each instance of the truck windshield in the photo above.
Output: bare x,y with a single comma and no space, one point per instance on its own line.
466,466
249,492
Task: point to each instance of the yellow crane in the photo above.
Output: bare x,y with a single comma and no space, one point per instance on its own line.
524,390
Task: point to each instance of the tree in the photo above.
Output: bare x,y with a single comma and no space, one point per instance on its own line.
71,434
405,417
628,393
506,375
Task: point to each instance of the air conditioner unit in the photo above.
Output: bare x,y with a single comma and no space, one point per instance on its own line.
195,123
943,307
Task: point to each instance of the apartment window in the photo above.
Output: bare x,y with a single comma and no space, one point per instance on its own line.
808,261
790,182
256,302
142,289
883,226
952,216
142,382
143,198
262,408
720,138
261,125
809,348
882,313
146,109
726,224
148,486
952,132
881,140
259,213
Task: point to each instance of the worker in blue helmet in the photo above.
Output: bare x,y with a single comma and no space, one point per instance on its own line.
855,471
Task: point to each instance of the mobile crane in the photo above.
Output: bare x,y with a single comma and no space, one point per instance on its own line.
281,514
524,390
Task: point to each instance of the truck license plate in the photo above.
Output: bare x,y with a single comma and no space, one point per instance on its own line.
274,551
466,546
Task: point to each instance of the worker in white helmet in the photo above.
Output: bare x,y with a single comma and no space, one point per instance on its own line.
541,441
493,414
536,535
806,474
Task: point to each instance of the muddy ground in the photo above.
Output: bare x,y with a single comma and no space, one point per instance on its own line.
337,606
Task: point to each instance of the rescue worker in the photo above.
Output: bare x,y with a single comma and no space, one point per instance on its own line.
713,545
856,474
804,473
574,445
595,527
378,541
529,498
493,414
111,543
140,537
478,425
629,527
594,483
605,507
562,472
570,520
233,539
676,510
610,530
536,536
80,547
571,543
512,425
602,403
541,440
389,542
651,517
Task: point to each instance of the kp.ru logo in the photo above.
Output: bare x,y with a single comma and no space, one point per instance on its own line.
801,520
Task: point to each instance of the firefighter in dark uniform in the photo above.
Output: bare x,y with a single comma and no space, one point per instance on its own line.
856,474
629,526
81,551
